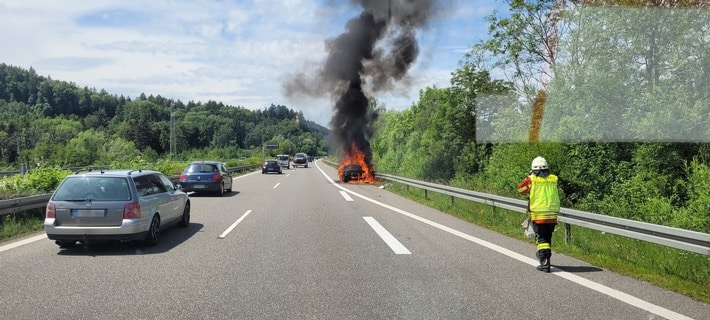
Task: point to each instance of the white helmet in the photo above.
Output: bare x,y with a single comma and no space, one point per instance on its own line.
539,163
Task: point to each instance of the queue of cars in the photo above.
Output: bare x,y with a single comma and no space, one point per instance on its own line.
133,205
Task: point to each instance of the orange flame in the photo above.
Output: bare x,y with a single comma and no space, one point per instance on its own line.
354,155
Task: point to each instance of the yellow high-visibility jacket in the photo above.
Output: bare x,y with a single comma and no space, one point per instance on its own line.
544,199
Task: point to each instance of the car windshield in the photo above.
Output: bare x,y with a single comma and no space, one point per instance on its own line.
93,188
282,157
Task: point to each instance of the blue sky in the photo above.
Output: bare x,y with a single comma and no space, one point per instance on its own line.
235,52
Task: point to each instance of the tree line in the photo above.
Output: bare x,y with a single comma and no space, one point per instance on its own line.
46,122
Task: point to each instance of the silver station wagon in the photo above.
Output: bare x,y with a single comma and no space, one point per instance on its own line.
120,205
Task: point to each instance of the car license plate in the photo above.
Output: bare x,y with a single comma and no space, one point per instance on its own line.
88,213
199,186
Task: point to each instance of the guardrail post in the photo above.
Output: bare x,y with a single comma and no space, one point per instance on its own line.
568,232
23,169
426,194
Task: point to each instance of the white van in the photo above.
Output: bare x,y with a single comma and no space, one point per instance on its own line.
284,160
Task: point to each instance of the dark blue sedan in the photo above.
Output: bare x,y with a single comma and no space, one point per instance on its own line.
206,177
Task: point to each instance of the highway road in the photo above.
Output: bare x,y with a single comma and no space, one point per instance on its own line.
303,246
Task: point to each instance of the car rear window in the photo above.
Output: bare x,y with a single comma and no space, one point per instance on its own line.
98,188
282,157
202,167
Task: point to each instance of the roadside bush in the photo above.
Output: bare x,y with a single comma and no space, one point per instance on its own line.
43,180
170,168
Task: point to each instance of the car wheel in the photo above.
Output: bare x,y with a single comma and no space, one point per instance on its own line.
185,221
65,244
151,239
221,190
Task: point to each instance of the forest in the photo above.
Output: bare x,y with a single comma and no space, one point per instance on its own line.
46,122
614,94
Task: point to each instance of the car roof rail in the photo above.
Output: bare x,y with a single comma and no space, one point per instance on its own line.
132,171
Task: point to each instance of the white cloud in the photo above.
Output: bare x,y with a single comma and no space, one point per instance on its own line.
235,52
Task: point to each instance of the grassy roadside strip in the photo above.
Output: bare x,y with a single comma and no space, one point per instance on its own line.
20,224
676,270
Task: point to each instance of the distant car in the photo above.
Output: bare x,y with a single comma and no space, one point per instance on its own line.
119,205
352,172
270,166
284,160
206,177
300,159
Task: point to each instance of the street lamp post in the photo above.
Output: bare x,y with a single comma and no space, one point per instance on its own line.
172,133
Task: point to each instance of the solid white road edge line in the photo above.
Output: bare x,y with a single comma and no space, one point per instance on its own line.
234,225
346,196
616,294
23,242
389,239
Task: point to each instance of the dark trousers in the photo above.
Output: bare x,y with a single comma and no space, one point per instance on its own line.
544,239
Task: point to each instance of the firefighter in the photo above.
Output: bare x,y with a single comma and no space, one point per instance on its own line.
543,206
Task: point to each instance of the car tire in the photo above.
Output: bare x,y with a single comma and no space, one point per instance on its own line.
221,190
153,236
185,221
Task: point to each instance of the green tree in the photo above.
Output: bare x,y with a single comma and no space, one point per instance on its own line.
85,149
118,150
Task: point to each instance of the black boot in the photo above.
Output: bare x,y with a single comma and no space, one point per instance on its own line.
544,265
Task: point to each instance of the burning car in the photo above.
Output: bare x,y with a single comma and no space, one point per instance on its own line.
352,172
355,167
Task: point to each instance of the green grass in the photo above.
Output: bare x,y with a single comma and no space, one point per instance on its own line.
19,224
676,270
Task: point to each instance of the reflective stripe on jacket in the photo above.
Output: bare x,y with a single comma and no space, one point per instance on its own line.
544,198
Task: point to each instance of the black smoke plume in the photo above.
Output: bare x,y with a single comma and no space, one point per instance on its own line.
376,50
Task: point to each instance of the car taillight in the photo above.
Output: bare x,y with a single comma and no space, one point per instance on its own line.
132,211
217,176
51,211
182,177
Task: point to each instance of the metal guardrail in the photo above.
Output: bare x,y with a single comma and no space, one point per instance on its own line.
8,173
687,240
40,201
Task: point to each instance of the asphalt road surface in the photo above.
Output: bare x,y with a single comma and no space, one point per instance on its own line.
301,245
